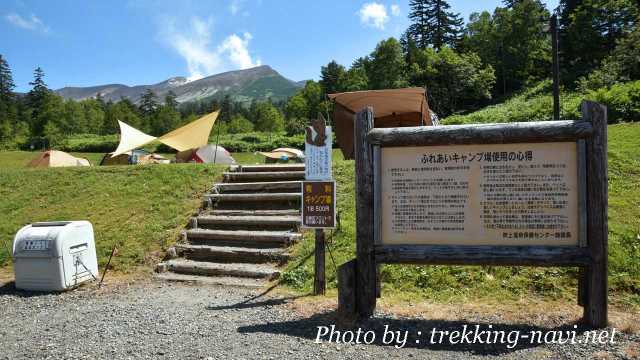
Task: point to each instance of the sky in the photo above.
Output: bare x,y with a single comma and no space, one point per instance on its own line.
134,42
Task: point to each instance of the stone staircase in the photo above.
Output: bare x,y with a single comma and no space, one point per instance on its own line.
243,232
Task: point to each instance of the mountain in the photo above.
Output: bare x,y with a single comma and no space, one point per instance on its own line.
259,83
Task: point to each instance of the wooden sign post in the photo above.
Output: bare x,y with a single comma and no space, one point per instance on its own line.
513,194
318,194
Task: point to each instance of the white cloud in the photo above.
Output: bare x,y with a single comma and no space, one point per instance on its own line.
395,10
235,6
203,59
237,49
33,23
374,15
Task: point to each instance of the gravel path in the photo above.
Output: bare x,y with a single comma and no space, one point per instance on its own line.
153,320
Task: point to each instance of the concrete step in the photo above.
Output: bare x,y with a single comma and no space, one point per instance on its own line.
255,197
263,239
266,168
191,267
232,254
210,280
234,177
241,212
231,222
268,186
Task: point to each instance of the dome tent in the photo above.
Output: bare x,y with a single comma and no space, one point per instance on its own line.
207,154
54,158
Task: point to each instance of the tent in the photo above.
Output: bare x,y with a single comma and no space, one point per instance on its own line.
134,157
53,158
191,136
206,154
391,108
284,154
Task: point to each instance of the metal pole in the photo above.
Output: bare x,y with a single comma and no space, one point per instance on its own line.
319,284
556,67
215,154
106,268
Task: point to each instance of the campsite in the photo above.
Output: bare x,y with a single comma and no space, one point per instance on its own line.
481,176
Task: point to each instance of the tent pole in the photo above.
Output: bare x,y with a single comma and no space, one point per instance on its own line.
215,154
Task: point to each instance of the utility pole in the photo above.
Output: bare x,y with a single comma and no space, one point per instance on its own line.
556,66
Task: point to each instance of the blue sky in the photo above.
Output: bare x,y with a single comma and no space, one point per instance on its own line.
92,42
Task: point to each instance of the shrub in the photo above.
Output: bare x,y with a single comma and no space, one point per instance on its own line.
622,101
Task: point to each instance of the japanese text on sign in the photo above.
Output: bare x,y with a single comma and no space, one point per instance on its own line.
318,204
505,194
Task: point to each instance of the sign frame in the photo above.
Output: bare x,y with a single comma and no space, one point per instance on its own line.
590,255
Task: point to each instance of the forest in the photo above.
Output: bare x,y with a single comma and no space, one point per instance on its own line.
491,58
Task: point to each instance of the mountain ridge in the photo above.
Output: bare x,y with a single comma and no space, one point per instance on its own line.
259,83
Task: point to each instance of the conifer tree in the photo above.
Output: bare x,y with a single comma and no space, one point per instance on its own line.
433,24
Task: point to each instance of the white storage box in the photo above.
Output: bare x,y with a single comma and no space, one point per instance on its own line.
54,256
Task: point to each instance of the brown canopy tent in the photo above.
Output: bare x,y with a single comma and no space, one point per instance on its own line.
391,108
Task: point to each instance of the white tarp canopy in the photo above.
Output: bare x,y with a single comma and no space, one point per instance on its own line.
131,138
191,136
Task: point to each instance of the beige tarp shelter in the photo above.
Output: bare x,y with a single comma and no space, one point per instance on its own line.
134,157
191,136
284,154
391,108
53,158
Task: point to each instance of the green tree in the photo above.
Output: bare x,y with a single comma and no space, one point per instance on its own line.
589,33
453,81
386,66
6,81
239,124
433,24
166,119
226,109
36,99
514,41
332,77
170,100
8,106
356,79
268,118
124,110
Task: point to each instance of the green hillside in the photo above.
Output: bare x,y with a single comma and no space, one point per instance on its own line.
275,87
140,208
461,283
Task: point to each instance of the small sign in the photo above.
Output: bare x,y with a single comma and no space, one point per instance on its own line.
317,151
319,204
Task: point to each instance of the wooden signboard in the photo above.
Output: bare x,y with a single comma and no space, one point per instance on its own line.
511,194
319,204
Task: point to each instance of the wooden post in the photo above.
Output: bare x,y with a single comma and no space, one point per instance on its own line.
346,289
595,279
365,264
556,66
319,279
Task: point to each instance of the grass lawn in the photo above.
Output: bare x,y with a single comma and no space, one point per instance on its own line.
466,283
139,208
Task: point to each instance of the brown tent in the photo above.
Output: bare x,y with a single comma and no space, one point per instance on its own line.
391,108
54,158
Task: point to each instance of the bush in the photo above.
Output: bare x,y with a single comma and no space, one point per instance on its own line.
622,101
89,143
535,104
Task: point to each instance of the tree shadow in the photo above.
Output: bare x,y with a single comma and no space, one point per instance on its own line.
419,332
252,303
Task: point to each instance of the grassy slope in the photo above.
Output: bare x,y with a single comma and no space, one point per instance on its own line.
461,283
141,208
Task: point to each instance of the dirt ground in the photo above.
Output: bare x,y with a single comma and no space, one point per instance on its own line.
134,316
